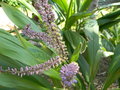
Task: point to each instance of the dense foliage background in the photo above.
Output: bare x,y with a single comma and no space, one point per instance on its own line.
90,30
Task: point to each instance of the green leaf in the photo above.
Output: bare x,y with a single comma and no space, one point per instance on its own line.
85,5
18,18
69,13
84,67
75,17
75,39
81,83
76,54
8,62
53,74
38,53
93,55
31,8
108,45
114,68
11,81
109,24
91,29
63,4
12,54
10,47
109,19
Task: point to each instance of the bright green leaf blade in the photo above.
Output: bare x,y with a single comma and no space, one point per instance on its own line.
11,81
75,17
10,47
63,4
76,53
8,62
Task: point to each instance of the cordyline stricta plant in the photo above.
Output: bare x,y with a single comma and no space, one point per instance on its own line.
53,39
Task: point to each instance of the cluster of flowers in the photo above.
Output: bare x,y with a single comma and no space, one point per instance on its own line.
52,38
68,73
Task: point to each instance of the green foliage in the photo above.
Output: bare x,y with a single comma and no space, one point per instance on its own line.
109,19
18,17
86,37
11,81
10,47
114,69
31,8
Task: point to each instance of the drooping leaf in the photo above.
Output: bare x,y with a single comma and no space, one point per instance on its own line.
18,18
109,19
93,55
109,24
10,47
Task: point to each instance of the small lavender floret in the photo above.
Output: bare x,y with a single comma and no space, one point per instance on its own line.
68,73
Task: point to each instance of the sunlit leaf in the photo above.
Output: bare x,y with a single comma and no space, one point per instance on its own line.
17,17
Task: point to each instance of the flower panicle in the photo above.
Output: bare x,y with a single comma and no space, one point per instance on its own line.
45,10
37,69
68,74
38,35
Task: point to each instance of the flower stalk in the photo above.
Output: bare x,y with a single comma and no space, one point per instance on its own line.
37,69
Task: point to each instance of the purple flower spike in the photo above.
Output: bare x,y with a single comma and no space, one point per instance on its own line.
68,73
39,36
48,17
37,69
